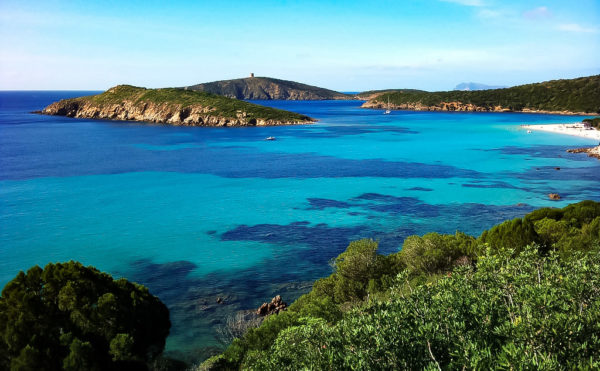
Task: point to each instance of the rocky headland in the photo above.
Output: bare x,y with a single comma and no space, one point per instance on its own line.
173,107
579,96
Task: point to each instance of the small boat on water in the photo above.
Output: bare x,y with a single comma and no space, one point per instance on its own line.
528,131
270,138
387,110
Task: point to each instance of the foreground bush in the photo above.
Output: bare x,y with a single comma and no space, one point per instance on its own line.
67,316
526,312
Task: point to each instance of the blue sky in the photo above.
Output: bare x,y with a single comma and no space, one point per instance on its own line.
342,45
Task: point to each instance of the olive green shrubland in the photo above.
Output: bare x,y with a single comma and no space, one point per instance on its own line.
581,95
523,295
71,317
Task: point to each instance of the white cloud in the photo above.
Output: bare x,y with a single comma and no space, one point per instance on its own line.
538,13
465,2
488,13
574,27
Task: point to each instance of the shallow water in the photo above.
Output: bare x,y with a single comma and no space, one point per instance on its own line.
198,213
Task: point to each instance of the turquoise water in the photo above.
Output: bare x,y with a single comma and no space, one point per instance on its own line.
201,213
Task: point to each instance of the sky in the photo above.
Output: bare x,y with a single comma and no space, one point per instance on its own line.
341,45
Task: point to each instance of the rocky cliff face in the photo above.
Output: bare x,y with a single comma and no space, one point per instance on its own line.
170,112
265,88
444,106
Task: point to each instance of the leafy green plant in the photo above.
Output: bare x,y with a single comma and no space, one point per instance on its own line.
67,316
529,311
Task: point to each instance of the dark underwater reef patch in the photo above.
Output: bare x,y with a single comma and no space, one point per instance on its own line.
323,203
493,184
545,173
337,131
397,205
471,215
423,189
317,237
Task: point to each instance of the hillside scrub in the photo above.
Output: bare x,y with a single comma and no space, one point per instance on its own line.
71,317
574,95
522,295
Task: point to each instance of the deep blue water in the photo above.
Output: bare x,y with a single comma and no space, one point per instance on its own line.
201,213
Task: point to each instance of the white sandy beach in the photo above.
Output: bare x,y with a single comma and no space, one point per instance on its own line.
575,129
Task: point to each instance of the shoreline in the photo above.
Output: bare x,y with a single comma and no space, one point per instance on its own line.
467,109
574,129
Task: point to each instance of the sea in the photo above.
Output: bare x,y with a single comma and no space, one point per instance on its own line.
198,214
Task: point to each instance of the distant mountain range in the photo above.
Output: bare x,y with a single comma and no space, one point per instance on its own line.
267,88
468,86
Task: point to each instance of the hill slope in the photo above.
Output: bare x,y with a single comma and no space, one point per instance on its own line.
267,88
476,86
172,106
575,96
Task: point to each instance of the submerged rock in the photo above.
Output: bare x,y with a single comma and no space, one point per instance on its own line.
554,196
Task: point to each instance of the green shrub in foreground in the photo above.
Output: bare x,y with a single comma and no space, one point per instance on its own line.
526,312
67,316
361,276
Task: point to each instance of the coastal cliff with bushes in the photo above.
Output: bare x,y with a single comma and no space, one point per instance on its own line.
573,96
523,295
173,107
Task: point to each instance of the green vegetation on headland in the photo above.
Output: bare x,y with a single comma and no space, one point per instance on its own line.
267,88
524,295
581,95
71,317
172,106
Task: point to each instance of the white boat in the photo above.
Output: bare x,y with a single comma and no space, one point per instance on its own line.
528,131
270,138
388,111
